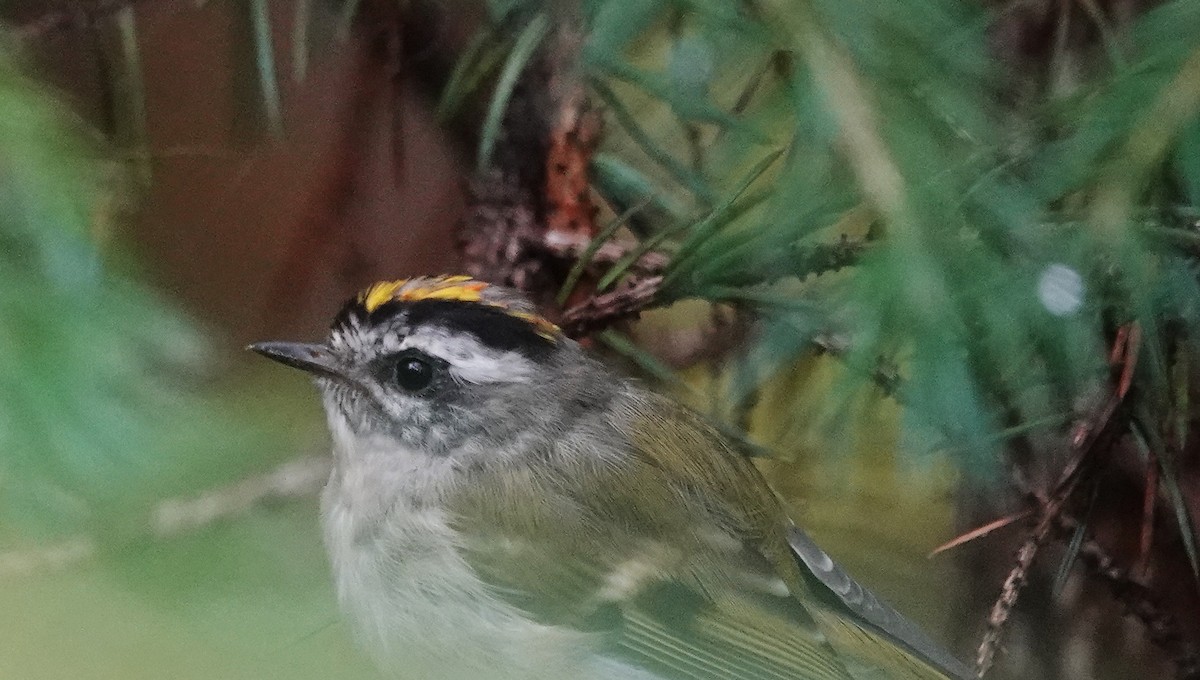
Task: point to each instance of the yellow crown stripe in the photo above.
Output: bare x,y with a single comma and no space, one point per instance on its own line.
471,292
380,293
456,288
460,288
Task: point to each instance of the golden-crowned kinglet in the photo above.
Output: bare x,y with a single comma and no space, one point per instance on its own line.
502,505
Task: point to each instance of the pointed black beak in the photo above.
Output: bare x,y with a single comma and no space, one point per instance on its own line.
314,359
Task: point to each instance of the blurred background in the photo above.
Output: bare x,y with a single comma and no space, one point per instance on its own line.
937,260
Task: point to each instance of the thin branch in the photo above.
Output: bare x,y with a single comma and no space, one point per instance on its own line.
1149,502
177,516
980,532
1009,592
601,311
1084,439
293,479
641,287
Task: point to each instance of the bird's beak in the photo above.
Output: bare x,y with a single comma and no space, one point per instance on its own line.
314,359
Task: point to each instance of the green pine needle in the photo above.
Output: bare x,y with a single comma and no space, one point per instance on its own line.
264,61
526,45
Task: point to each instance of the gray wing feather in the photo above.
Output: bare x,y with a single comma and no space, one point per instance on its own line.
869,609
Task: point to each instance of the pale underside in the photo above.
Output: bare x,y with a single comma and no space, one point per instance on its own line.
453,574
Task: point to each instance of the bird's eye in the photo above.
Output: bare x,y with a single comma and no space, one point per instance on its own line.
413,374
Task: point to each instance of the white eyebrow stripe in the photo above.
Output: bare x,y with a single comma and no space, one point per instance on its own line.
470,360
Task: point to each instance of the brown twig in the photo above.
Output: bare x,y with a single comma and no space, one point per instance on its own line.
980,532
601,311
1084,438
535,199
644,280
1009,592
1017,577
1149,501
571,212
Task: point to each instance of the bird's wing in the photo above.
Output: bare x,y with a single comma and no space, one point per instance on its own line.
678,561
873,640
861,625
654,605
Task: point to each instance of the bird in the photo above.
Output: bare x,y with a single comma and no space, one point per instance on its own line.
504,505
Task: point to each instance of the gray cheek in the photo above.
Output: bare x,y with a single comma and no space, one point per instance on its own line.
419,422
448,427
351,413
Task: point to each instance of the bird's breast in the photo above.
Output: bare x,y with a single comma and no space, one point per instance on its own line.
416,604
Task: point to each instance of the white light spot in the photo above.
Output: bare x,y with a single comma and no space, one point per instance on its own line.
1060,288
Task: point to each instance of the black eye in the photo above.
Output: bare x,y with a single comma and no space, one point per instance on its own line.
413,374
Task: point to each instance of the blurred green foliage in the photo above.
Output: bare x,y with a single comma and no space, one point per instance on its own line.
104,405
953,208
996,236
109,406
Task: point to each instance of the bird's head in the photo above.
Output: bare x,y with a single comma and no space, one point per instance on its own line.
445,366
